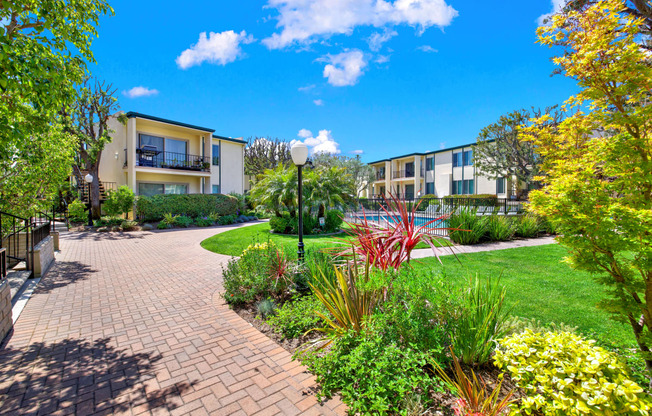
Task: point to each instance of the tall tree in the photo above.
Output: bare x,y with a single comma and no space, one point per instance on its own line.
327,187
43,46
88,122
598,162
500,153
264,153
361,173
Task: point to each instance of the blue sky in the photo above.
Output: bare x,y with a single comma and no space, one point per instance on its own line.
371,76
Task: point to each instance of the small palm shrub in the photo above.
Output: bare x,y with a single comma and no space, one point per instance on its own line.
467,227
565,374
500,228
527,226
483,321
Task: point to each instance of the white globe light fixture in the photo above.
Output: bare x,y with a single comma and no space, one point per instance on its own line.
88,178
299,152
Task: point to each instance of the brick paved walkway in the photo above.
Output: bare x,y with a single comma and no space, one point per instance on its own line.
131,324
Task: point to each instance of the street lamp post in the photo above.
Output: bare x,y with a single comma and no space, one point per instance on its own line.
89,179
299,152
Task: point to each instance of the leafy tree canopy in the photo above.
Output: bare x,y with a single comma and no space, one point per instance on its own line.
264,153
361,173
597,163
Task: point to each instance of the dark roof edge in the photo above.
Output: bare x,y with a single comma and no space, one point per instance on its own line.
215,136
428,153
132,114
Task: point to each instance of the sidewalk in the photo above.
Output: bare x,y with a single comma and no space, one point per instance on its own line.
477,248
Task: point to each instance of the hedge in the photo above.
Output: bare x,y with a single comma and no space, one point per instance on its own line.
153,208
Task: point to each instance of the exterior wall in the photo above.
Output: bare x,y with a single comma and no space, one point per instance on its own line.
229,175
443,173
113,156
193,182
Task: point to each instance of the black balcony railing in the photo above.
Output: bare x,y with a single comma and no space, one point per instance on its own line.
380,176
171,160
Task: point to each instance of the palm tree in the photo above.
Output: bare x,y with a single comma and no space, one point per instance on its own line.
277,190
328,187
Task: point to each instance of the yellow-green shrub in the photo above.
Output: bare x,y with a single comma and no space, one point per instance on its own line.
565,374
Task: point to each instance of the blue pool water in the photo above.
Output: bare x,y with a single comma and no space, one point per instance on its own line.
419,221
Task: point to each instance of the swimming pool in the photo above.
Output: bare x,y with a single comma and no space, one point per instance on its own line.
418,221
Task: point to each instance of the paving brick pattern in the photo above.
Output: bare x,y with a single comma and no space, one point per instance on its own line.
133,324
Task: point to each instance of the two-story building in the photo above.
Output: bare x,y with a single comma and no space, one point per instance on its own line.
153,155
441,173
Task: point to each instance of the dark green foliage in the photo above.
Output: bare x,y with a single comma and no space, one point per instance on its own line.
281,224
266,308
260,272
183,221
226,219
471,228
372,373
334,219
527,226
203,222
477,199
500,228
298,316
163,225
108,221
153,208
77,211
119,201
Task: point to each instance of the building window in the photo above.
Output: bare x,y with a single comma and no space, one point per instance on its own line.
149,189
430,164
409,170
457,159
216,189
500,186
468,158
464,187
430,188
216,155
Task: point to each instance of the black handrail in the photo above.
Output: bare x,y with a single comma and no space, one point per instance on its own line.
171,160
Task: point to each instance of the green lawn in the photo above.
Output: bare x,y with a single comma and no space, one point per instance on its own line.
233,242
540,286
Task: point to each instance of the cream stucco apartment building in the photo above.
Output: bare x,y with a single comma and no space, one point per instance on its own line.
441,173
153,155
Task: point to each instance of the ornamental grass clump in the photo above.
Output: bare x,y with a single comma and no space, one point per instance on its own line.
466,227
500,228
564,374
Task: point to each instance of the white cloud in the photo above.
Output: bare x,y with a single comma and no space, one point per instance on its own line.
557,6
304,133
427,49
442,145
302,21
218,48
381,59
377,40
323,143
357,152
306,88
318,102
140,91
344,68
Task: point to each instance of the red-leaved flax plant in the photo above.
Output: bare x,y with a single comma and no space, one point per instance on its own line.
389,246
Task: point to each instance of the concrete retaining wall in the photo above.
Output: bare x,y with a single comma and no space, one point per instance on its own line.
6,322
43,256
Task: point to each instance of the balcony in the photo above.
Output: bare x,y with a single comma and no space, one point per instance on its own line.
380,176
406,173
153,158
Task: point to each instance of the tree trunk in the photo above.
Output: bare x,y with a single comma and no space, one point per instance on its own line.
94,193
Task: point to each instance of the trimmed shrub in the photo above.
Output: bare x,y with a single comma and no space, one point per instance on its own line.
153,208
280,225
226,219
204,222
183,221
128,225
108,221
565,374
527,226
500,228
479,199
119,201
77,211
334,219
471,228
